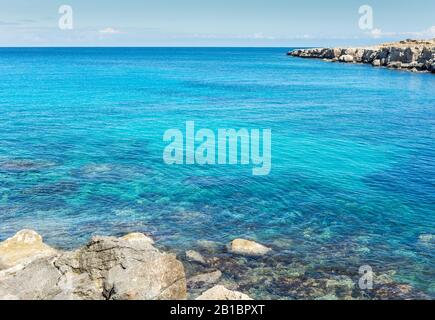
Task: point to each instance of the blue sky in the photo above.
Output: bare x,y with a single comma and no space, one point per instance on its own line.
212,22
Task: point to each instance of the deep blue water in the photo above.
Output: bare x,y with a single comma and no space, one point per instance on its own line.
353,147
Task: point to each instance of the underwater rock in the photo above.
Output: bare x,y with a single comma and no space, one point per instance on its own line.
210,246
248,248
397,291
107,172
212,181
195,256
23,165
203,279
221,293
427,238
58,188
384,278
340,284
94,171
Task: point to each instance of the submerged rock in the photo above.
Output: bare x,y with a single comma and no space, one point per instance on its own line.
195,256
128,268
210,246
427,238
56,188
221,293
204,279
248,248
340,284
23,165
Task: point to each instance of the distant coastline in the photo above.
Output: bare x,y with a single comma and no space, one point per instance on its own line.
411,55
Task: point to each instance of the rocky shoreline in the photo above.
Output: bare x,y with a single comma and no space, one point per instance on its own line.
411,55
133,268
107,268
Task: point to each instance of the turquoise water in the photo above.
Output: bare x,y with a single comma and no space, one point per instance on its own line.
353,150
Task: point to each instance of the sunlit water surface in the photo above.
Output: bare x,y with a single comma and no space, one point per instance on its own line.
353,171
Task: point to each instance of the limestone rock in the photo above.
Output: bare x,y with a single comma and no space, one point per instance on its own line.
346,58
130,269
22,248
36,281
221,293
248,248
106,268
210,246
395,65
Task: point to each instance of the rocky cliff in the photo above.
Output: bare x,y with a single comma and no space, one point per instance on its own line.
127,268
412,55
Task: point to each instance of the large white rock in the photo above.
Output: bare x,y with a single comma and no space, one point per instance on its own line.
23,248
248,248
346,58
221,293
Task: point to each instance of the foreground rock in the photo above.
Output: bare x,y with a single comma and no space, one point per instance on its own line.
248,248
221,293
22,249
413,55
129,268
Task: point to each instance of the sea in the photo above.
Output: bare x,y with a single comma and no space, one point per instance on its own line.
352,180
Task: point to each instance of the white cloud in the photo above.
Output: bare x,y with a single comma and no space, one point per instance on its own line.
109,30
261,35
428,33
378,33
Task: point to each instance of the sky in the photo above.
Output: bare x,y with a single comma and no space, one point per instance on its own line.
212,22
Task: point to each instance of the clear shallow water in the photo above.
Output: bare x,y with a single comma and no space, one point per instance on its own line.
353,172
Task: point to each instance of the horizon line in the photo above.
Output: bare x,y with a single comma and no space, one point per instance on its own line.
138,47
